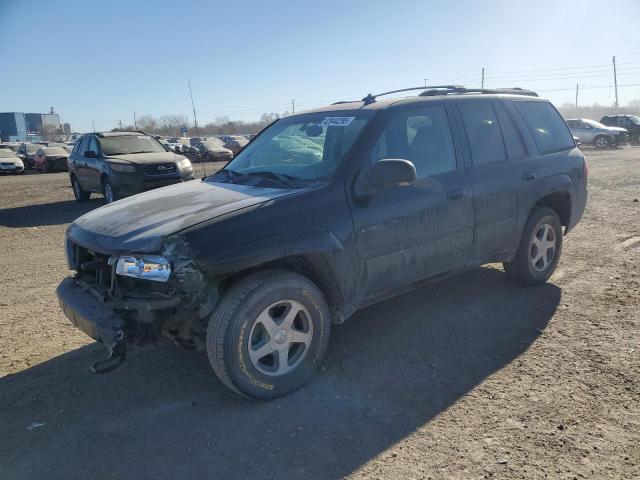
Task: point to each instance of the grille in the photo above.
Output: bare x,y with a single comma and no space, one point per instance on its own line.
159,169
6,164
92,267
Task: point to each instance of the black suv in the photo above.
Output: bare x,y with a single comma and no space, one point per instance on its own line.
119,164
629,122
325,212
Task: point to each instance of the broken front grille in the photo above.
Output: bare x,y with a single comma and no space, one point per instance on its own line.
93,269
160,169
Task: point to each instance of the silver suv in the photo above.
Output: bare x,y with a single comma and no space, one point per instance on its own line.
595,133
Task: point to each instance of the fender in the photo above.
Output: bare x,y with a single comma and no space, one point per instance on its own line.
314,251
560,183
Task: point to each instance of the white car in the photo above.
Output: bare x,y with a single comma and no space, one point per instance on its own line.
10,162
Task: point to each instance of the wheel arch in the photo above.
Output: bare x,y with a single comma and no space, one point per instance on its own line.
312,252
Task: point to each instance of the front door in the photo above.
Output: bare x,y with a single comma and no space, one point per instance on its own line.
93,166
408,233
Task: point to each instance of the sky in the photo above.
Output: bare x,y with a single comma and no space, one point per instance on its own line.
105,60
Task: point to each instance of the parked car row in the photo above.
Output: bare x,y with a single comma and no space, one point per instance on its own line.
610,131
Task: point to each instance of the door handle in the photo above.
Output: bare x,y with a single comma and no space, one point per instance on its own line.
529,176
455,194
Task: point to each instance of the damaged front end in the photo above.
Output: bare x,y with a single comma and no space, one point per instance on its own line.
130,299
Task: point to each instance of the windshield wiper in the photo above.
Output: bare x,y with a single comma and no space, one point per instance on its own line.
280,177
230,174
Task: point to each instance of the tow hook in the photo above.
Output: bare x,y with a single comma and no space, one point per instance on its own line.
117,353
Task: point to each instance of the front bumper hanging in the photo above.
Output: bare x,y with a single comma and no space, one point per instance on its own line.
95,319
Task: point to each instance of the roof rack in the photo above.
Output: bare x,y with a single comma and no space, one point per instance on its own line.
433,90
372,98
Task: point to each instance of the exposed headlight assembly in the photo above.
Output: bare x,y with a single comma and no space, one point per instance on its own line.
122,167
145,267
185,164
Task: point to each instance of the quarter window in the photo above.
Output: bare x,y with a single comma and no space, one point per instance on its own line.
483,132
512,138
422,136
546,126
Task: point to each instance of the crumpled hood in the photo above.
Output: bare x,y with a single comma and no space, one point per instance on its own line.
144,158
139,224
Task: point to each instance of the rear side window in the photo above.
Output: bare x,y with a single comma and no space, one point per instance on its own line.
546,126
483,132
512,138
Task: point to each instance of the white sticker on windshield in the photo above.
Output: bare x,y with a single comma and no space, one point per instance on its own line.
336,121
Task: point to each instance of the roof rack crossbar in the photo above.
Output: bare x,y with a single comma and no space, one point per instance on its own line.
372,98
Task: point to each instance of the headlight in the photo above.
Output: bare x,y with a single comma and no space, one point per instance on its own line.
153,268
185,164
122,167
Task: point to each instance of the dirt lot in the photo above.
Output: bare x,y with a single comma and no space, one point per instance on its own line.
469,378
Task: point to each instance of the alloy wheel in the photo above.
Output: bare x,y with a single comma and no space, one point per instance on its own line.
280,337
543,247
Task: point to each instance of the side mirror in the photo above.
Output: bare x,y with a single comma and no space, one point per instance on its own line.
90,154
390,172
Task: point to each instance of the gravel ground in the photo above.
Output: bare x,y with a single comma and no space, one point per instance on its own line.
472,377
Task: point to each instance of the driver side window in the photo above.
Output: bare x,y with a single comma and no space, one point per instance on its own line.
421,136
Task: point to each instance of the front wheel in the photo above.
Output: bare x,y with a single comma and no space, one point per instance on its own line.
268,334
539,251
108,192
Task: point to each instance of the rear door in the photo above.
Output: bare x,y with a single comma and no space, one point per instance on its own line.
499,166
409,233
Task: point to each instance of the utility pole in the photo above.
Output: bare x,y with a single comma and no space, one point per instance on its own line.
615,80
577,90
293,105
195,119
120,123
135,122
482,82
195,124
425,83
93,125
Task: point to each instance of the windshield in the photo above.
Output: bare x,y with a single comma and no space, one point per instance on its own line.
634,119
55,151
306,147
128,144
595,124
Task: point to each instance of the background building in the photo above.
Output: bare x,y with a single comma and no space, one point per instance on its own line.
13,127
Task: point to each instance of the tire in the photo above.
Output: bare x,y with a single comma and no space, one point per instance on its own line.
78,192
528,267
108,191
236,336
601,141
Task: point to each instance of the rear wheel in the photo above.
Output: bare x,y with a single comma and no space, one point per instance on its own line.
601,141
107,191
539,251
78,192
268,334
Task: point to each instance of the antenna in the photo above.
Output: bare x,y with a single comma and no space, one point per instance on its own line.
195,122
